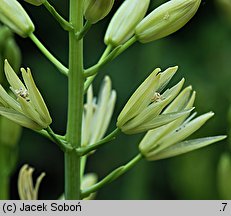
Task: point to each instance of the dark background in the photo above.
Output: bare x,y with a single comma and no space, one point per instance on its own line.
202,50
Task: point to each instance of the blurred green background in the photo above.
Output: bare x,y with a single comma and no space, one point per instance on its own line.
202,50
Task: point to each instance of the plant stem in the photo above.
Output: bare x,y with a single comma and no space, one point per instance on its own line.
64,147
44,50
65,25
4,187
90,79
84,30
126,46
112,176
75,103
85,150
103,60
95,68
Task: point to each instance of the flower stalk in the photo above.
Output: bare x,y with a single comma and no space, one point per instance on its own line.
75,103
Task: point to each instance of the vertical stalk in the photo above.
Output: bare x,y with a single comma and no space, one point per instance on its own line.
75,103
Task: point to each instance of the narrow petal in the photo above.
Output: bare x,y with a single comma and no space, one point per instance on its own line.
35,96
19,118
184,147
140,99
108,114
180,101
29,111
157,122
88,117
102,104
155,108
12,77
183,131
8,101
166,76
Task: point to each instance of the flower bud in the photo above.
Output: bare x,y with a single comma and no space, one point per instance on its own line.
13,15
89,180
35,2
166,19
123,23
95,10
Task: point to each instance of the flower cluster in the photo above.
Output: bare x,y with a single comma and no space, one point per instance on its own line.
28,109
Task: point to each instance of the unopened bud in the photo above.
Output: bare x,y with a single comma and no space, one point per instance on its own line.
35,2
95,10
123,23
166,19
13,15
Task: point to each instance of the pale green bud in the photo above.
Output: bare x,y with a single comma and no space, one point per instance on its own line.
89,180
123,23
29,110
143,110
95,10
15,17
97,114
166,19
35,2
26,188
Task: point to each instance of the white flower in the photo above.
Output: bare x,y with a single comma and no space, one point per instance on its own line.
97,113
143,110
28,109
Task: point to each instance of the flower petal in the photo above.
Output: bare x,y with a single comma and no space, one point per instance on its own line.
155,108
35,96
12,77
183,132
184,147
29,111
19,118
102,104
140,98
157,122
8,101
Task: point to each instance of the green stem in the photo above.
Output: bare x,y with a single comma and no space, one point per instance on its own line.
95,68
43,49
112,176
65,24
64,147
87,149
103,60
126,46
4,187
45,134
91,79
75,103
83,32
